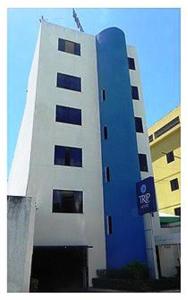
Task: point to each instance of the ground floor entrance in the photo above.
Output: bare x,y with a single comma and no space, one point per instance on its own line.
59,269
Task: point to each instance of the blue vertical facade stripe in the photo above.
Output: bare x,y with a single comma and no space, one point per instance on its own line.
119,151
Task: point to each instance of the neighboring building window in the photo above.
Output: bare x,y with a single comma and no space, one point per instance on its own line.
167,127
135,94
105,129
177,211
68,82
170,157
174,184
67,201
107,174
109,225
68,156
138,124
69,115
143,162
131,63
68,46
151,138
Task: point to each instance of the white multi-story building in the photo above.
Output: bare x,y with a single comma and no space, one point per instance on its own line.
81,149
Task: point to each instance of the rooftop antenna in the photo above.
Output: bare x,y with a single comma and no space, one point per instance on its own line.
77,20
41,19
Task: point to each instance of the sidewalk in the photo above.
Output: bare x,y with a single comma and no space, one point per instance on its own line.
97,290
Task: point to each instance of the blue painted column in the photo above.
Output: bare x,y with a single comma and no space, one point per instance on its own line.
119,151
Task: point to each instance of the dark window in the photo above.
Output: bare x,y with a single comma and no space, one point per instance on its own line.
131,63
138,124
67,201
69,115
170,157
135,94
105,132
177,211
103,94
107,174
167,127
151,138
109,225
76,48
69,82
68,46
174,184
143,162
68,156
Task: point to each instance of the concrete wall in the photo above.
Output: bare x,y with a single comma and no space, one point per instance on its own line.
169,256
61,228
21,217
168,243
164,172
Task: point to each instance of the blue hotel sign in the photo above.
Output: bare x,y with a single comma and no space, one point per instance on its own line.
146,198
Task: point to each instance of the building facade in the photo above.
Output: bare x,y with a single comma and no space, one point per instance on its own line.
81,149
164,138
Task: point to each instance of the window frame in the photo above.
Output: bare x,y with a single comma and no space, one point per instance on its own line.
68,156
131,63
170,157
109,225
68,82
135,92
167,127
177,211
174,184
107,174
63,47
105,132
68,114
150,138
77,208
139,125
143,168
103,94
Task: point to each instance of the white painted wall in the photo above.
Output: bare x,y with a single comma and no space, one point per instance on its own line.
152,224
20,229
139,111
44,176
19,174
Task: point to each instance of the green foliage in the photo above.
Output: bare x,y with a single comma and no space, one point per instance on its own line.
136,270
133,270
